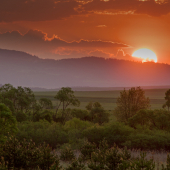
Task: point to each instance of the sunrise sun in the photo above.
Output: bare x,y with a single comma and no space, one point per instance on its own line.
145,55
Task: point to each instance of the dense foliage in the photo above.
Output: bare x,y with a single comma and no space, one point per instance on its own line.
30,129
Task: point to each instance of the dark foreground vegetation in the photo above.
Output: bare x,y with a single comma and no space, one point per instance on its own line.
35,134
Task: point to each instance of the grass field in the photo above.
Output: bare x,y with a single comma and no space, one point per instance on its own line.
107,98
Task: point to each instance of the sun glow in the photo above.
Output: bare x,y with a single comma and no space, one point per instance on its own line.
145,55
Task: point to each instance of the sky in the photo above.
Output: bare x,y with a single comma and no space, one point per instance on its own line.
59,29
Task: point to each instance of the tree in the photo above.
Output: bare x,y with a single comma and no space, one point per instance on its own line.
167,98
97,113
7,122
130,102
66,97
19,99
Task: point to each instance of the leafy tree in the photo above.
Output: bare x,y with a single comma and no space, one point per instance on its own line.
7,122
66,97
19,99
42,115
130,102
97,113
167,98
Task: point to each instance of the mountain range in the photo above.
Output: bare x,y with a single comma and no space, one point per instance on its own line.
23,69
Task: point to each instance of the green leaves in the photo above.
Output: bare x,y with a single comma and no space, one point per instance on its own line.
26,155
130,102
97,113
18,99
67,154
7,122
66,97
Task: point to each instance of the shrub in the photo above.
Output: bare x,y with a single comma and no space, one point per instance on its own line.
94,134
67,154
40,132
77,164
76,123
117,133
87,149
25,155
81,114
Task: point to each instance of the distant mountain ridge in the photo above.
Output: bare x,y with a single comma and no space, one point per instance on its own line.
23,69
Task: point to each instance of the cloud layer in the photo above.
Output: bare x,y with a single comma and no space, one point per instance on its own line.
45,10
37,43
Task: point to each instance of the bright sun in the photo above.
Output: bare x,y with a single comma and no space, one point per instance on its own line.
145,54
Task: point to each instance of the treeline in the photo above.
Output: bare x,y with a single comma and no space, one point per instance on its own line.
36,127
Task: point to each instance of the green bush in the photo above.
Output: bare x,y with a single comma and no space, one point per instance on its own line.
67,154
87,149
142,163
76,123
150,140
25,155
94,134
97,113
117,133
42,131
77,164
105,158
81,114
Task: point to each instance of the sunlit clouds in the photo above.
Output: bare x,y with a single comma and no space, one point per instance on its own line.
77,28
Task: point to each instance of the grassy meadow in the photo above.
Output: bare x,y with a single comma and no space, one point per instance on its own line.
107,98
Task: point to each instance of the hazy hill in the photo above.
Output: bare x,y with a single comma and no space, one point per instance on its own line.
19,68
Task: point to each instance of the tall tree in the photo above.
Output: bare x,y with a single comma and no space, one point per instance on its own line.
66,97
130,102
167,98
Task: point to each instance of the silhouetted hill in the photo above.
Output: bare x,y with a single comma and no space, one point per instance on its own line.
22,69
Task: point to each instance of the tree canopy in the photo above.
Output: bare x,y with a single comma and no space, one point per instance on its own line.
7,122
18,99
66,97
130,102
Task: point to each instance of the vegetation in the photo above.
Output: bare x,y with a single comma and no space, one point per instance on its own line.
130,102
167,98
36,133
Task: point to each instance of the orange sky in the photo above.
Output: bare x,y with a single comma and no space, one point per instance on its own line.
77,28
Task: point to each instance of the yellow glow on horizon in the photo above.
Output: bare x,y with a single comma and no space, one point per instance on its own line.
145,55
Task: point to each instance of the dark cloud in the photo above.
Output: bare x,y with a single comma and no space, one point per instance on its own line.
150,7
36,10
45,10
36,42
